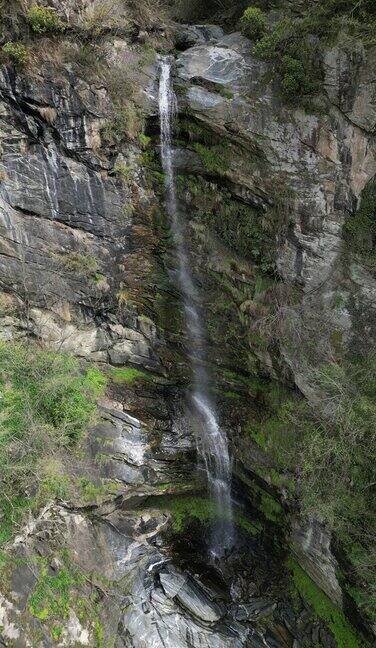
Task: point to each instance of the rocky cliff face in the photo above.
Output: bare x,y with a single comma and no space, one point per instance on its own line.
87,267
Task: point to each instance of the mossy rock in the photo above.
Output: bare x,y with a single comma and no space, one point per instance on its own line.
345,635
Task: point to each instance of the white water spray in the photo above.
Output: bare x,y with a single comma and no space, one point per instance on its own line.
211,440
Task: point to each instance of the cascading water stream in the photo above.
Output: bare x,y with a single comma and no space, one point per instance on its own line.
211,439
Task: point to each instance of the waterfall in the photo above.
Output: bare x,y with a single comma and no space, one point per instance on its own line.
212,442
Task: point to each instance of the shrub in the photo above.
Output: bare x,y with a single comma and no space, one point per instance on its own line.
101,15
294,80
296,58
144,140
253,23
124,171
83,265
125,124
43,20
46,405
272,42
17,52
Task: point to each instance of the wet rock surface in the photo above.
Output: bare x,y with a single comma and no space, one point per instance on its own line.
68,246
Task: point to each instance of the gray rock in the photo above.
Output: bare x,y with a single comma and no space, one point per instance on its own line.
212,63
256,609
190,597
311,545
189,35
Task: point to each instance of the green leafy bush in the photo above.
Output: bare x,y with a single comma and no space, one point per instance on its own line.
125,124
45,407
43,20
275,40
296,58
294,79
253,23
18,52
296,42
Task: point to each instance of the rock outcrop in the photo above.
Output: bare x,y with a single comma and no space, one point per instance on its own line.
87,267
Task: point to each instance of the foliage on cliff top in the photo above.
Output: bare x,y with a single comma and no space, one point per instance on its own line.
295,41
46,405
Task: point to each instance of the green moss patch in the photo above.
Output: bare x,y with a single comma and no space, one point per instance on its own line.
185,509
52,596
129,376
214,158
57,592
345,635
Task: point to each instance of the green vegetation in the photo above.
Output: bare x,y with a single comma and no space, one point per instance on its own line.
334,450
214,158
125,124
84,265
185,509
326,18
253,23
193,131
43,20
265,502
244,231
344,634
90,492
225,92
129,375
51,597
124,171
248,231
295,57
360,228
46,406
63,589
11,512
270,427
99,16
144,140
294,44
324,455
17,52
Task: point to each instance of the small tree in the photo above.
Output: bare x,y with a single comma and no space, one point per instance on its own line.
253,23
